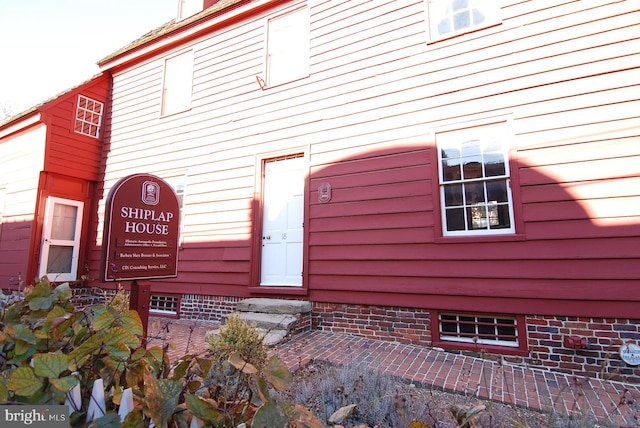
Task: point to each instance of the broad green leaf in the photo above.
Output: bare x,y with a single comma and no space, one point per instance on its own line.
239,363
24,382
89,346
65,384
341,414
204,409
41,303
23,355
263,389
55,317
20,332
131,321
134,419
268,415
119,351
120,335
103,321
277,373
41,289
50,365
161,397
63,292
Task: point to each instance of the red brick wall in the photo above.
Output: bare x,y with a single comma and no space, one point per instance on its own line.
208,308
601,358
404,325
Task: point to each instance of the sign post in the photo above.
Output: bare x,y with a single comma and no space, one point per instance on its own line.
141,234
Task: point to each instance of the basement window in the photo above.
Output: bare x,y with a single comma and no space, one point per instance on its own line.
474,331
88,116
166,305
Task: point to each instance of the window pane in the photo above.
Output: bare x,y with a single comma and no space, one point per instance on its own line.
472,167
474,193
64,222
478,17
451,169
461,20
455,219
477,217
453,195
497,191
504,220
494,164
460,4
60,258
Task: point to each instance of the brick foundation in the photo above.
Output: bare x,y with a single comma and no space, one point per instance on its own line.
545,335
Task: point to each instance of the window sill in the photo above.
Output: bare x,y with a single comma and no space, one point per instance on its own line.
448,36
491,349
479,238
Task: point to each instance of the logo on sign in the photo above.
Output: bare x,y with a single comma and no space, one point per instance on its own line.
150,193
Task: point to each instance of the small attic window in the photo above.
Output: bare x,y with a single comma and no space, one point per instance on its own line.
187,8
88,116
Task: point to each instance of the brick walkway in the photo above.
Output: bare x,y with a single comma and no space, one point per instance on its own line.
543,390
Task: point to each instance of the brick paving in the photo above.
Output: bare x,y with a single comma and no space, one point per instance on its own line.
614,402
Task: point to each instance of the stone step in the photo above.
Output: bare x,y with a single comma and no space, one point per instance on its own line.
268,321
274,306
269,337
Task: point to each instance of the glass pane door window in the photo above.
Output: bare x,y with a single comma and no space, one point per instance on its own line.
61,239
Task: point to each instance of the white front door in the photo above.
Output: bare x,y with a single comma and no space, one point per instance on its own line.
61,239
282,222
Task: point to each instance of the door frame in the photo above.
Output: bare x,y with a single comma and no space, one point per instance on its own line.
257,215
49,202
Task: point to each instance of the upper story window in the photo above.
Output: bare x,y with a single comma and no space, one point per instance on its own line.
288,47
88,116
448,18
475,192
187,8
178,83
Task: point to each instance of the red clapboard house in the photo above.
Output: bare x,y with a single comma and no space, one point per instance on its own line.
460,174
50,159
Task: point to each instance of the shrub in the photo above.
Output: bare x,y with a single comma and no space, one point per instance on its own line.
47,348
237,335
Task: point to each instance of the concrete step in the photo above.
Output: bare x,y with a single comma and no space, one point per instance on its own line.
268,321
275,306
269,337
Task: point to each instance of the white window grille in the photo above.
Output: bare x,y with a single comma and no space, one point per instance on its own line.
288,47
88,116
480,329
178,83
163,304
475,192
451,17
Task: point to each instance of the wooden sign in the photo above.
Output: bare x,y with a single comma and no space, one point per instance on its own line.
141,230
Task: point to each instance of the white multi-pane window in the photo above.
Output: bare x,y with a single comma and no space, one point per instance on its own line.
88,116
475,192
288,47
178,83
450,17
187,8
480,329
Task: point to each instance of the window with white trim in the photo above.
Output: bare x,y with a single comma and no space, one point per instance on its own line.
88,116
475,191
164,304
479,329
448,18
288,47
178,83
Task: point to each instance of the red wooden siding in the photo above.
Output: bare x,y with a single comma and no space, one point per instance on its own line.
561,75
68,152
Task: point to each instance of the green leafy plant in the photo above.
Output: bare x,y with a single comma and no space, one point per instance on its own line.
47,348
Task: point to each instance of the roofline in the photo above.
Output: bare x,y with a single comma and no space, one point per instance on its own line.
177,32
20,124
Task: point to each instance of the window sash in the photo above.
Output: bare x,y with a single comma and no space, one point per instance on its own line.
448,18
178,83
88,116
474,180
481,329
288,47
